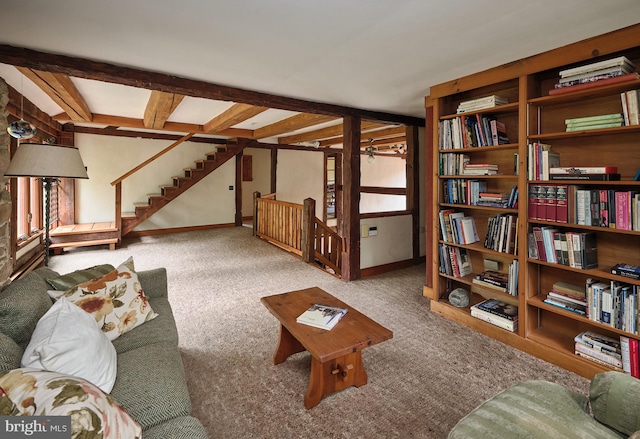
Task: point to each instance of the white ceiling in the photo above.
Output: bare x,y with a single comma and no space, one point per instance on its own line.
380,55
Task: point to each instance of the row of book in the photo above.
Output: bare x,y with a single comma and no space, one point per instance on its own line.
503,282
457,228
597,73
540,158
585,206
594,122
568,297
604,350
613,303
459,164
474,193
497,313
481,103
631,107
573,249
502,234
472,131
454,261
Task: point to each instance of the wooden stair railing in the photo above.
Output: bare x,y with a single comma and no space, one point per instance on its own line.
126,222
295,228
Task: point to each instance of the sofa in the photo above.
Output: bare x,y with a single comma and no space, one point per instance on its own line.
541,409
150,386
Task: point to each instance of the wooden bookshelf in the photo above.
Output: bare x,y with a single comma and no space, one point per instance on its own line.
533,115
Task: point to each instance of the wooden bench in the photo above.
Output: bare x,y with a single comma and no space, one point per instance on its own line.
84,235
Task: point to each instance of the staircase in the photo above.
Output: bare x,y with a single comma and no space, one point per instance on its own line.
168,193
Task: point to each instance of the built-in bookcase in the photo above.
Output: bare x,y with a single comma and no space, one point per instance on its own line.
533,115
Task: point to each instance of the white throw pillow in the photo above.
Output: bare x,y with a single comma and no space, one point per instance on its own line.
68,340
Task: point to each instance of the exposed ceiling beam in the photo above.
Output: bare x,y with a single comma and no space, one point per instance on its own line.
232,116
160,107
60,88
297,122
324,133
129,122
376,134
100,71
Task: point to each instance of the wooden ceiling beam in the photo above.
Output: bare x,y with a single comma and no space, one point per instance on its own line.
374,134
60,88
324,133
129,122
160,107
236,114
297,122
100,71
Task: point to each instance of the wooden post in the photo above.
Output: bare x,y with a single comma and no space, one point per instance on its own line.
238,221
351,198
413,193
308,229
274,169
256,195
118,202
66,186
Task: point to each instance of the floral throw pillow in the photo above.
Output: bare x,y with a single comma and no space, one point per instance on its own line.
115,300
94,414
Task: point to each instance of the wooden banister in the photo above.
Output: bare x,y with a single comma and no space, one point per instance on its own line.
151,159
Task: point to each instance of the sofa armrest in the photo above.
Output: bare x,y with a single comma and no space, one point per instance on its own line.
154,282
615,398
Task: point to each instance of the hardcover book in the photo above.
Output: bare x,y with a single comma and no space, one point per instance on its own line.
322,316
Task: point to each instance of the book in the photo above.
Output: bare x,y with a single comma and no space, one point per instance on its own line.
322,316
629,272
613,62
626,359
573,170
600,355
566,287
602,118
600,340
591,177
498,308
599,361
608,81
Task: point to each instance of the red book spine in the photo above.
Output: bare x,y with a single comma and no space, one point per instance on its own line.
551,202
542,202
622,210
532,201
604,208
562,206
537,234
633,358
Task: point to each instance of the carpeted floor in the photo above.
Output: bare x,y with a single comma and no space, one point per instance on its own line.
421,382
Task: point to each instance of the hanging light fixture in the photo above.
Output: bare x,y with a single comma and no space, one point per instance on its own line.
21,129
369,149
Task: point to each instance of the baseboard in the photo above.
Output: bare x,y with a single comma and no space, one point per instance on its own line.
379,269
139,233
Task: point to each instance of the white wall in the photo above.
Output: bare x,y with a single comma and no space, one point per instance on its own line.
108,157
300,176
392,243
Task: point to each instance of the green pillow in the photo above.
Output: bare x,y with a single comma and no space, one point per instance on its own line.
615,398
70,280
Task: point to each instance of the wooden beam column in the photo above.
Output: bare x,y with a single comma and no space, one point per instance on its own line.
274,169
238,219
351,198
67,186
413,192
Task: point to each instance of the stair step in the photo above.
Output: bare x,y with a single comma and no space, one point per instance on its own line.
128,215
141,204
154,195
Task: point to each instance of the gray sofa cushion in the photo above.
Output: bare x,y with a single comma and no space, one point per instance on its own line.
151,384
615,398
533,409
159,330
185,427
10,354
22,303
77,277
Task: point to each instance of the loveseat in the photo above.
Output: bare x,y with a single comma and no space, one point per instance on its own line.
150,384
541,409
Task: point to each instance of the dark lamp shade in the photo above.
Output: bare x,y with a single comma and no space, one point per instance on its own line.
42,160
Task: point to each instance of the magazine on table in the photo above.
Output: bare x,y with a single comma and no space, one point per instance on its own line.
322,316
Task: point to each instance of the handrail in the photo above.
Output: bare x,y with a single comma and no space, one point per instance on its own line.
151,159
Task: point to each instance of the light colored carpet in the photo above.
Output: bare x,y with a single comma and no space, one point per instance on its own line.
421,382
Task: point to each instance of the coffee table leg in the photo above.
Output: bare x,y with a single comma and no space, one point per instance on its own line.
334,375
287,346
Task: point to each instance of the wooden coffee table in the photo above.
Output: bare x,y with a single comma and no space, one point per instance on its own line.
336,355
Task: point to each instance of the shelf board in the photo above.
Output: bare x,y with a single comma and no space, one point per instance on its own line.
593,272
479,247
633,129
592,92
506,108
582,227
480,149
